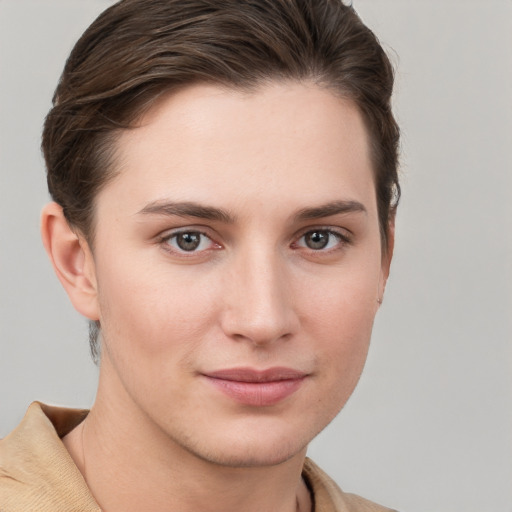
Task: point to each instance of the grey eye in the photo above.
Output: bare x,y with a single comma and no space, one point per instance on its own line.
188,241
321,239
317,239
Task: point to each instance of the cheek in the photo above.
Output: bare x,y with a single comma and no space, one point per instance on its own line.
152,311
152,326
347,338
342,347
344,302
339,320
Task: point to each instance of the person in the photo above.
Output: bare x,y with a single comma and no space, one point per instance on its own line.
224,178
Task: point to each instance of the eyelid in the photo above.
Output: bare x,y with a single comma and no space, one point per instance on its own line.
192,228
164,238
343,235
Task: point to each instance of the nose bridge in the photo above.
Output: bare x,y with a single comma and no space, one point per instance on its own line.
259,306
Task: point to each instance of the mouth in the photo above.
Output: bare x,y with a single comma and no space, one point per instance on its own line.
257,387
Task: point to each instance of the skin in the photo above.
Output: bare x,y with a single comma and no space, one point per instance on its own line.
279,163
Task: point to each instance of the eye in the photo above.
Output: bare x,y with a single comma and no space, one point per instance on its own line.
189,241
321,239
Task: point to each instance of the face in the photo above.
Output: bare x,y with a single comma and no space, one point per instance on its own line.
238,265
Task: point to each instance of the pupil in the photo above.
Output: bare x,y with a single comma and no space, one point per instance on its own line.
317,240
188,241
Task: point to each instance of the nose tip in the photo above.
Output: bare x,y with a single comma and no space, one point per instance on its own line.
259,307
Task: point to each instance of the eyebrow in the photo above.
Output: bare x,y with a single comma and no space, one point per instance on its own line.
191,209
188,209
329,209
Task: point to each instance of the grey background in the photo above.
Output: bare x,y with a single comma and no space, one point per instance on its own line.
430,425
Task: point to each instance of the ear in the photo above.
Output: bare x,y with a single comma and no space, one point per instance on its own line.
72,260
387,256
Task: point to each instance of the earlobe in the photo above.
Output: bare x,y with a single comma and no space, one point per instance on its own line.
71,259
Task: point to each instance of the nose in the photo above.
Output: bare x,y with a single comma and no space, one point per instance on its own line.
258,304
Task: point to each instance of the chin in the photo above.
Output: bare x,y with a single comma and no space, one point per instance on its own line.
250,447
253,456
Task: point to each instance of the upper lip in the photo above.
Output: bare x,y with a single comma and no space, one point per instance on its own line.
255,375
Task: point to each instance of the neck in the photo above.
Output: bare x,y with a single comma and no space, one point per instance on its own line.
130,464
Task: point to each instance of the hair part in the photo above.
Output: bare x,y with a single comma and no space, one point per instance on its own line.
137,50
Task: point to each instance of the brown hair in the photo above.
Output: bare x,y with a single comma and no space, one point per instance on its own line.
138,49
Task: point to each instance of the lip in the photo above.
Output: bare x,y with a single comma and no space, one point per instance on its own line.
254,387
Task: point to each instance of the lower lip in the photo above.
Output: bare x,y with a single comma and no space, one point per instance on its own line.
257,393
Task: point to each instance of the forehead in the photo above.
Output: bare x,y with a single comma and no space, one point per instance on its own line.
278,142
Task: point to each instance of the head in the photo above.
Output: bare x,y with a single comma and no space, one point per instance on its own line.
303,60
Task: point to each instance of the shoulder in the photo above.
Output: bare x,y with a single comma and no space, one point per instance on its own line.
36,471
328,497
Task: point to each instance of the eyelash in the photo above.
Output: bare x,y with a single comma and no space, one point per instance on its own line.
342,241
166,242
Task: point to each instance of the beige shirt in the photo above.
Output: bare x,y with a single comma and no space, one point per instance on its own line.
38,474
